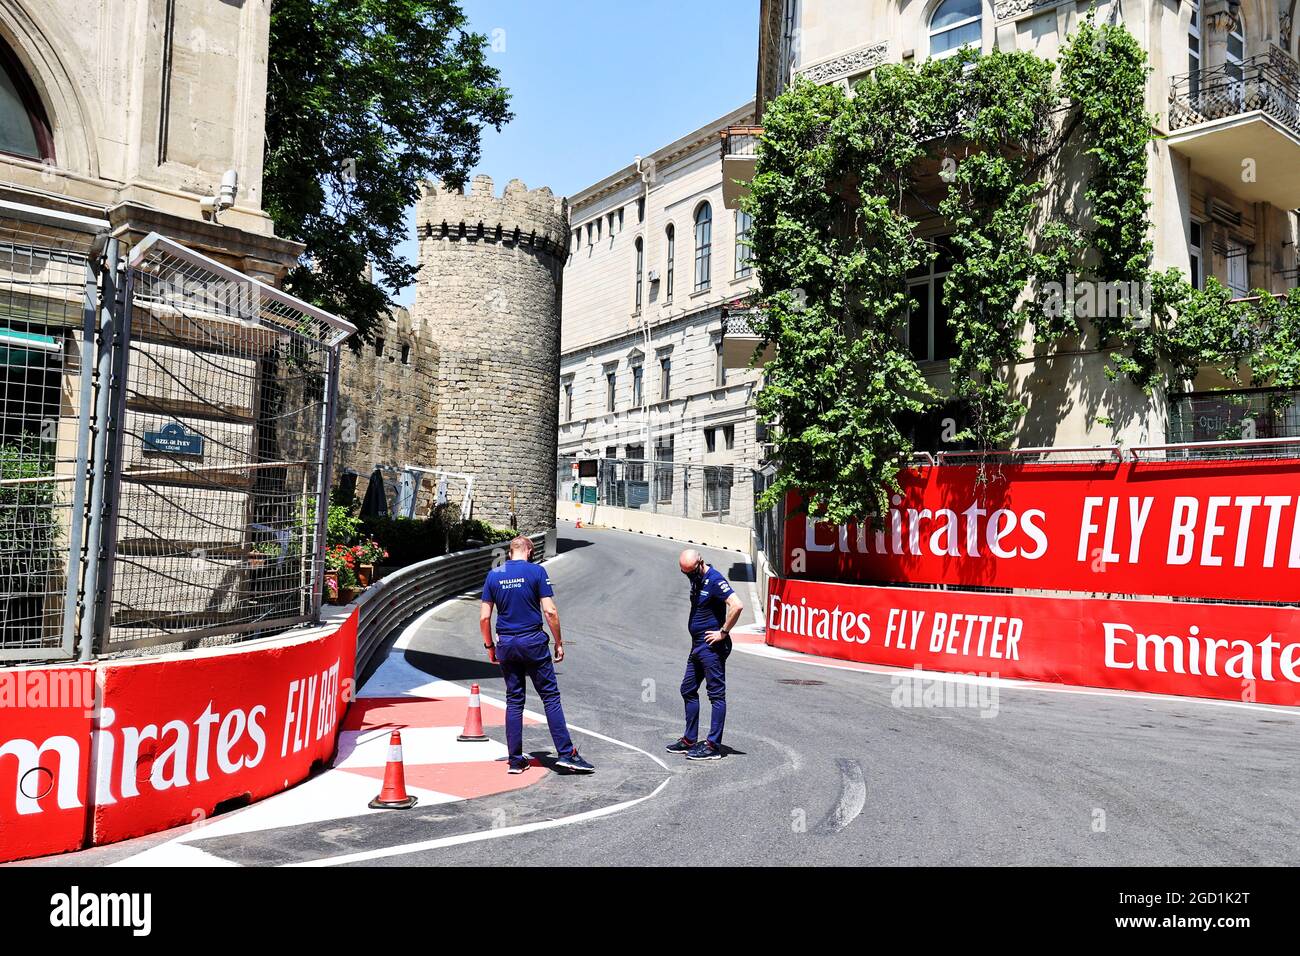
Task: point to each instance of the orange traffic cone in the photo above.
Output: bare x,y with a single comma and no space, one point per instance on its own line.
393,795
473,732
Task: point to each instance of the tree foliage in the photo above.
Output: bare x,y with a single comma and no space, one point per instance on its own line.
365,99
841,185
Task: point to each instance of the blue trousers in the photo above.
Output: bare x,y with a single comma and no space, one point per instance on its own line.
707,665
530,657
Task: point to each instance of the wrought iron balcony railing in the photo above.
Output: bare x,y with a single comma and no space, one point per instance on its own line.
741,141
1266,83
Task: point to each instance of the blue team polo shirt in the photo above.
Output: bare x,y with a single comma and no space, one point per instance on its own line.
708,603
517,589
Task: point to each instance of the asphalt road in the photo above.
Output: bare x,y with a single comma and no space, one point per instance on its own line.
1051,779
822,767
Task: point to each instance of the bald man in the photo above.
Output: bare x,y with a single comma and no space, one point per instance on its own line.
715,609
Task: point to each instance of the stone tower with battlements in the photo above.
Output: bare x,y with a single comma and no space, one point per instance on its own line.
488,295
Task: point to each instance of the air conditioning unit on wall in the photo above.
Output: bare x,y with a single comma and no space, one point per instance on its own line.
653,275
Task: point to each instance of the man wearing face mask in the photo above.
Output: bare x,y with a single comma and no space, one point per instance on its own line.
715,609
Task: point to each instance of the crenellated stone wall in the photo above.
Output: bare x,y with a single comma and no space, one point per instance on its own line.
488,294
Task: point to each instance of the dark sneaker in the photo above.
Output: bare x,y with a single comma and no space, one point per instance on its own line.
575,764
705,750
518,765
682,746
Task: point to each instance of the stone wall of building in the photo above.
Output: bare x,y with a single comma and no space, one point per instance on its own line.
387,411
488,295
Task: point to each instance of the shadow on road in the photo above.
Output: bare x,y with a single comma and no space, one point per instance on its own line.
452,668
741,572
570,544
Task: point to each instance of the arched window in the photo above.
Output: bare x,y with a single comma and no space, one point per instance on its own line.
671,236
955,24
24,129
640,262
703,245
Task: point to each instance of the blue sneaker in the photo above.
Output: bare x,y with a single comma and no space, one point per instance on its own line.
518,765
705,750
575,764
682,746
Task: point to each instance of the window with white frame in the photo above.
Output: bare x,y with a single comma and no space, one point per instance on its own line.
928,333
668,273
703,245
744,254
1195,268
610,377
665,377
640,264
956,24
638,379
1195,51
568,401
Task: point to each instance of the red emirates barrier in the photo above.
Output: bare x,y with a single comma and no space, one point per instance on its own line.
1227,530
173,738
188,733
45,719
1230,652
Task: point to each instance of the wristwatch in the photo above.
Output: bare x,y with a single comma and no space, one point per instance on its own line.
725,633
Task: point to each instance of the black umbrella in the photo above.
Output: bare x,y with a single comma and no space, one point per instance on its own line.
375,503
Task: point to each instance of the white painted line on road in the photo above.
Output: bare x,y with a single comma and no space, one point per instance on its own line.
853,795
1042,687
463,838
173,854
541,718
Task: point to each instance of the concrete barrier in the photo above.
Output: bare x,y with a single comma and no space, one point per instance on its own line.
713,534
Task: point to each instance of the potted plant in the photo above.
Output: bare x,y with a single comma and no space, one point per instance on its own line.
368,554
340,561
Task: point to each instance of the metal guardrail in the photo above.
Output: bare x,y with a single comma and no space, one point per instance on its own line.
399,596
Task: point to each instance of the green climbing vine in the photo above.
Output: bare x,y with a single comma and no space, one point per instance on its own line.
846,190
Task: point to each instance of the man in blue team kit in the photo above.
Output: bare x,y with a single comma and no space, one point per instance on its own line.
521,593
715,609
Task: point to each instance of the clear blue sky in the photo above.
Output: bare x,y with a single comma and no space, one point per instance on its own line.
594,83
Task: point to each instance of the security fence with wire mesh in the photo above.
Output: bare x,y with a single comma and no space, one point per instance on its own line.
163,450
44,392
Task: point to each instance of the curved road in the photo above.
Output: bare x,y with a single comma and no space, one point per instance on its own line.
822,768
826,770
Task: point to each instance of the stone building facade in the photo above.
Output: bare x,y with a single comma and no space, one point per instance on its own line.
487,309
657,271
1224,174
133,111
386,411
123,118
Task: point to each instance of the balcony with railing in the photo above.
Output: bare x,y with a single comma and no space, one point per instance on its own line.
739,154
1225,116
740,338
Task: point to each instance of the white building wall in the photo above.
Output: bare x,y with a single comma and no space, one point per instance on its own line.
601,329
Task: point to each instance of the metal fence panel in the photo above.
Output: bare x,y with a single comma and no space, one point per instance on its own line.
219,464
47,329
722,493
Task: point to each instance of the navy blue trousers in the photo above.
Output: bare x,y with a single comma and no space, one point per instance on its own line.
529,657
707,665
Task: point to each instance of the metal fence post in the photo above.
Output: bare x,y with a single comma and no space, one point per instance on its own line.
114,371
108,332
77,550
326,463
